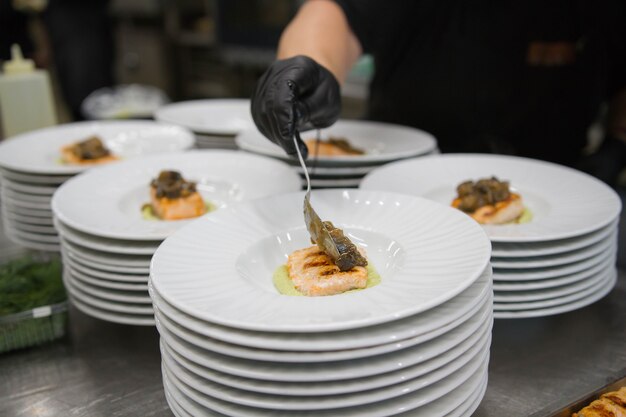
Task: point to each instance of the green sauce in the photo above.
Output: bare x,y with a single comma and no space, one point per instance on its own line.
147,212
285,286
526,216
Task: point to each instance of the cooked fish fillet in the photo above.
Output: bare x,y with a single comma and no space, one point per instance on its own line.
618,397
177,208
69,157
601,408
314,274
326,148
502,212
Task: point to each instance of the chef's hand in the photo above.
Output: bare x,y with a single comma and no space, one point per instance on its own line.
295,94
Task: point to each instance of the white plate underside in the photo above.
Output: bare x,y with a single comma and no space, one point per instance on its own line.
34,179
564,202
113,276
448,252
145,270
212,116
107,202
564,308
382,142
122,318
395,331
39,152
103,304
27,188
105,258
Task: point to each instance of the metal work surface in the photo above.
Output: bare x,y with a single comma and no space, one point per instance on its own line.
538,366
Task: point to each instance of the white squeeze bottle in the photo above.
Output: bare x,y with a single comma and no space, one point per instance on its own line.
25,96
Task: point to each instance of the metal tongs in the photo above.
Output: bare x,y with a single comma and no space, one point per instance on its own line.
330,239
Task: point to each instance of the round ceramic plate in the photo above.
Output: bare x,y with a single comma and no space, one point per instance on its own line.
106,267
563,308
449,402
477,341
107,202
460,329
608,279
105,258
523,250
425,253
38,221
110,284
564,202
34,237
19,204
31,244
21,187
104,304
39,152
213,116
333,183
30,228
505,286
116,296
127,247
104,275
34,179
381,142
505,275
396,331
551,293
9,207
122,279
22,196
106,315
607,244
468,377
282,402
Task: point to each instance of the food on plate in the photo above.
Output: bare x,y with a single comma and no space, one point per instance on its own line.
332,147
611,404
490,201
88,151
174,198
311,272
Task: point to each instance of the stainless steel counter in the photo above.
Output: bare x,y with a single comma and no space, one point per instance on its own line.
103,369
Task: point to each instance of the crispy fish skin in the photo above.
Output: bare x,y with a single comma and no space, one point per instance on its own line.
177,208
611,404
502,212
314,273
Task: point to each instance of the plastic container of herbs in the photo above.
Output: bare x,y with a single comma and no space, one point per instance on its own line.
33,302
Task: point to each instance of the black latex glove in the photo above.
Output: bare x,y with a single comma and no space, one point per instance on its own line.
295,94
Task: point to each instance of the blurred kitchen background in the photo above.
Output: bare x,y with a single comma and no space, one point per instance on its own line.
186,48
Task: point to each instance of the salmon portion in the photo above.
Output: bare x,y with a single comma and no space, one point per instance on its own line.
502,212
314,274
177,208
88,152
332,147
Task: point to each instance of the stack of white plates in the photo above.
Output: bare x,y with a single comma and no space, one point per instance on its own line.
416,343
215,122
107,243
381,142
561,260
31,170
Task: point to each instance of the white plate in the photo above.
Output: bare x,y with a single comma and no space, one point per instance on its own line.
18,204
213,116
564,308
22,196
104,275
382,142
608,278
505,275
106,315
333,172
30,228
34,237
504,286
334,183
468,377
469,405
413,326
39,152
607,244
319,372
123,279
39,221
107,201
103,304
88,263
28,188
550,293
552,247
34,179
42,214
477,341
128,247
105,258
110,284
564,202
116,296
32,244
460,329
445,403
405,237
281,402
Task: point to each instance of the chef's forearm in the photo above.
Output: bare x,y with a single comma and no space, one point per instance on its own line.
320,30
616,120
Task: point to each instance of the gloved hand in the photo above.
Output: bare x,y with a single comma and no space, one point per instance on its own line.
295,94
